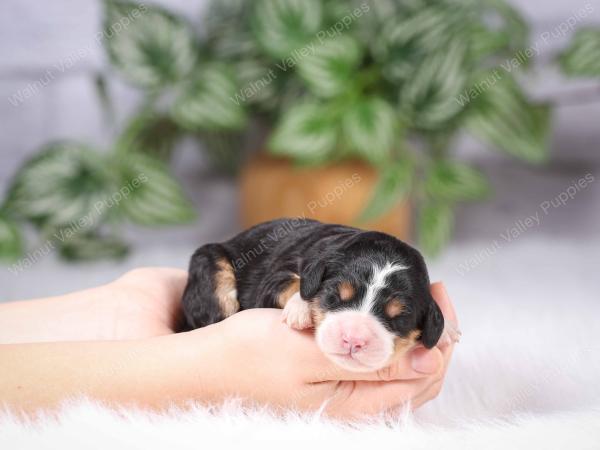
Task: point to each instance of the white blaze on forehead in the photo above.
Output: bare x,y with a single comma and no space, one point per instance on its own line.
377,283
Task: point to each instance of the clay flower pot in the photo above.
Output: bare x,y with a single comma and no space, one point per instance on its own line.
273,187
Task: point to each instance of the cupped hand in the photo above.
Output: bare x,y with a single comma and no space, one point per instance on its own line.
263,360
143,303
252,354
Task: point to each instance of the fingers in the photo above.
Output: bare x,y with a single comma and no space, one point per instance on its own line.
451,332
419,363
358,398
440,295
426,395
354,398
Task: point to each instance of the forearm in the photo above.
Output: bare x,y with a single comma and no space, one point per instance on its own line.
149,373
60,318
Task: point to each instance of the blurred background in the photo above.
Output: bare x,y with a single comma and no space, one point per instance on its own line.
132,133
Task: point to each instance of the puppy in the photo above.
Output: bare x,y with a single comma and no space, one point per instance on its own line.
366,293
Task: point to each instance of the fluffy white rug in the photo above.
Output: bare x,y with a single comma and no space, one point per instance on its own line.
525,375
90,427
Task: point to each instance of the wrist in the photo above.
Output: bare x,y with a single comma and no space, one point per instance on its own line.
191,366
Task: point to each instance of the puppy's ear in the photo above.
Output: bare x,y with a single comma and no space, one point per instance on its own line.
311,277
433,325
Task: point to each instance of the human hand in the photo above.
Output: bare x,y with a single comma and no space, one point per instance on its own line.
142,303
263,360
251,355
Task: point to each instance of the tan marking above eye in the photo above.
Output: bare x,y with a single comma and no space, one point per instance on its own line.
346,291
394,308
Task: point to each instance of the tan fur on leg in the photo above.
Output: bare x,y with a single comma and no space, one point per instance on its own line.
226,288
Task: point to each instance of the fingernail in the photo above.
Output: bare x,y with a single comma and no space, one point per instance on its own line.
424,361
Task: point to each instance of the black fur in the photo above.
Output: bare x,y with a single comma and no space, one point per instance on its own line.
267,257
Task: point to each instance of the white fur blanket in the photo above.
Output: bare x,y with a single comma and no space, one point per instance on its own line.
525,375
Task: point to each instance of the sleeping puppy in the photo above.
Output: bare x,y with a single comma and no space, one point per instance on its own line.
366,293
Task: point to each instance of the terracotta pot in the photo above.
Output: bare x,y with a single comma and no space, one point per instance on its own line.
273,187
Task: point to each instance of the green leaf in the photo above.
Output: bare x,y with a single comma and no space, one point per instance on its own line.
92,246
456,181
306,132
582,57
373,14
502,115
150,46
436,221
151,133
258,83
331,68
508,30
65,183
211,102
429,97
393,186
407,40
11,241
149,194
371,128
283,27
227,33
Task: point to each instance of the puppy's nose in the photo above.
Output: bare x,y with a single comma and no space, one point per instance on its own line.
353,344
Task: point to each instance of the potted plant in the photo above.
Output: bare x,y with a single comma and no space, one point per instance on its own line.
364,100
361,102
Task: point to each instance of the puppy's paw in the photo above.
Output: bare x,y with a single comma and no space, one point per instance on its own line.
451,334
296,313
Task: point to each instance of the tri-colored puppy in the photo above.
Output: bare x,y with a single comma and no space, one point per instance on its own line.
366,293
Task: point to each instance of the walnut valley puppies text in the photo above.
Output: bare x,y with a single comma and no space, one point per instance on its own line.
288,226
523,225
366,294
83,224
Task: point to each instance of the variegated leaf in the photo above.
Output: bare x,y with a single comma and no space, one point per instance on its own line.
62,185
436,222
147,44
211,102
456,181
150,133
92,246
430,97
371,129
152,196
11,241
394,184
283,27
306,132
408,40
258,84
331,68
582,57
502,115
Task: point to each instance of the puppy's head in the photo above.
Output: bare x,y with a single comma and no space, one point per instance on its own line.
371,301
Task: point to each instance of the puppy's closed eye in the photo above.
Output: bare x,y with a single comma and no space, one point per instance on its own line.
394,308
